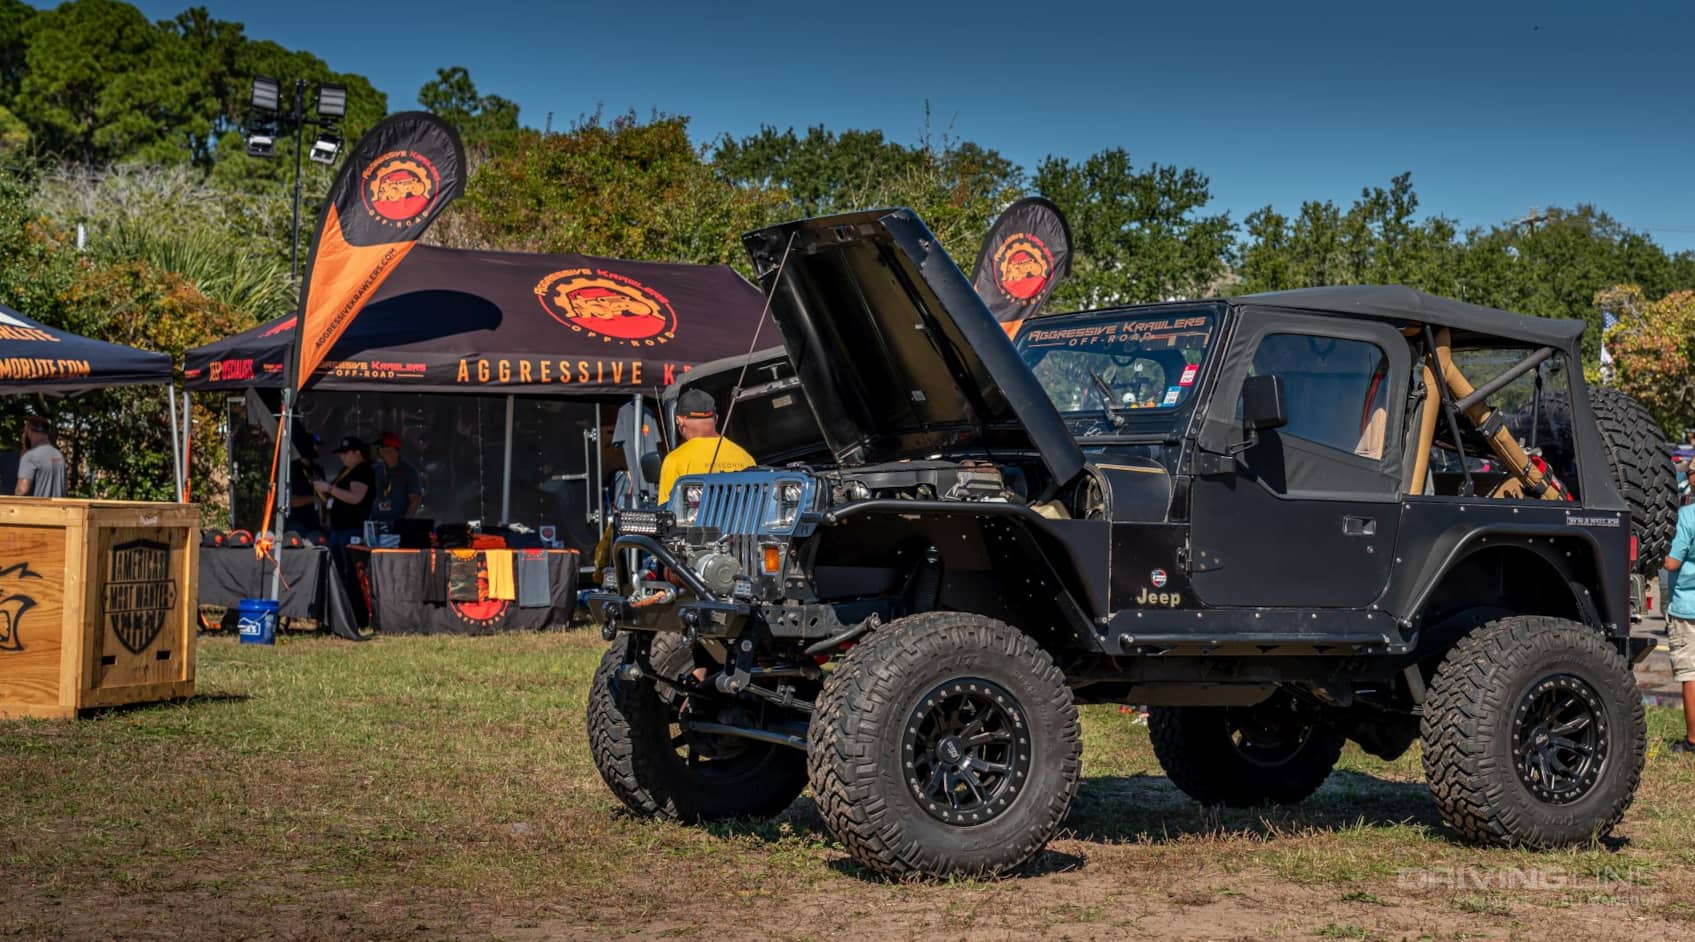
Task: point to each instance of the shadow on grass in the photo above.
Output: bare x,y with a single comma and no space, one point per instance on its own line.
199,699
1149,809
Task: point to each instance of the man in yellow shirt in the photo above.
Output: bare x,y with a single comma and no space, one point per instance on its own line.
702,451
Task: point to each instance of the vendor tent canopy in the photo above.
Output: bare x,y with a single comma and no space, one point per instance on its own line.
35,358
452,320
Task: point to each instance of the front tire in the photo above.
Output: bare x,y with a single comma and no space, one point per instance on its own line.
1243,757
946,744
657,769
1533,734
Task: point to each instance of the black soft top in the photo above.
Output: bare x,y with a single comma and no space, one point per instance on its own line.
1398,302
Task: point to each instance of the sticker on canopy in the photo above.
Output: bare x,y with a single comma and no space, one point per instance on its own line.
1188,377
1172,394
1157,578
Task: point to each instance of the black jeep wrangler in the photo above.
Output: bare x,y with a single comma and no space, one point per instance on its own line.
1284,521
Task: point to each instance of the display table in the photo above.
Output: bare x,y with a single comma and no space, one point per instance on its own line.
398,585
311,589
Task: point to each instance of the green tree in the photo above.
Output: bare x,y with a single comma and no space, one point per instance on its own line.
101,82
1139,235
1378,240
1652,346
626,187
956,186
1553,266
114,440
453,97
14,18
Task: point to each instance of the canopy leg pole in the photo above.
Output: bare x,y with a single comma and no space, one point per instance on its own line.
506,467
176,441
187,448
285,427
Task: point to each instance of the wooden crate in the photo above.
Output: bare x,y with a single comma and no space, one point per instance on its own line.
97,602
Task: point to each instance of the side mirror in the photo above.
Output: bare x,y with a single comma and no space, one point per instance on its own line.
651,464
1263,405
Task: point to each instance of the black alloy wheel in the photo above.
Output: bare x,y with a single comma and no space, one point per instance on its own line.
966,750
1560,739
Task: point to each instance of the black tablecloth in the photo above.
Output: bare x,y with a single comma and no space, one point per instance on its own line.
312,588
396,584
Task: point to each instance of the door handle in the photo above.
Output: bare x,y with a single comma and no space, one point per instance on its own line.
1359,526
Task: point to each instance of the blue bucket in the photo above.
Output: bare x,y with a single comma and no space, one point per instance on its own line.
256,620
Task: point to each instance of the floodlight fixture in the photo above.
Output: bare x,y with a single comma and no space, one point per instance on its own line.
261,144
325,149
267,93
332,101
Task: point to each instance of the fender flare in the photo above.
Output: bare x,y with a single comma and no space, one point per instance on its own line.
1458,545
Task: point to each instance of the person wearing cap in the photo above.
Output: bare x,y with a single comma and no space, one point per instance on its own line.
702,450
399,486
41,469
348,497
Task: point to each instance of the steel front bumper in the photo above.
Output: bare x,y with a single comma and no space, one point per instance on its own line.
692,610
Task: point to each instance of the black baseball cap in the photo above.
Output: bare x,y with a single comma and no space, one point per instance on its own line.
350,443
696,404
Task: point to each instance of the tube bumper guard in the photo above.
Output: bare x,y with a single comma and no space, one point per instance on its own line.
706,615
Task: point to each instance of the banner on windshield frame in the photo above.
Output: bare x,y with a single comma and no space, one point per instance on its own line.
1027,252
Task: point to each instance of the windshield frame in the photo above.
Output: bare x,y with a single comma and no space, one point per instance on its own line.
1093,420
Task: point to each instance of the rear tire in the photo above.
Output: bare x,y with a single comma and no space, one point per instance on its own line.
658,770
1533,734
1243,757
946,744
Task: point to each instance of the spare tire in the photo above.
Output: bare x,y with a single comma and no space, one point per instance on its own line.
1640,460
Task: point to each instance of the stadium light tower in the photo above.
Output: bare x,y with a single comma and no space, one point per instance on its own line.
269,121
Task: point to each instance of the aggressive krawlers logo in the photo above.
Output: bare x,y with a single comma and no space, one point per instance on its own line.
617,308
1023,266
398,187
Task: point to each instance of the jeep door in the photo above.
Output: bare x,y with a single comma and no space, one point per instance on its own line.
1304,515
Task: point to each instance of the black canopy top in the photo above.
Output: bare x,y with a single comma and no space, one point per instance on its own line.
1398,302
36,358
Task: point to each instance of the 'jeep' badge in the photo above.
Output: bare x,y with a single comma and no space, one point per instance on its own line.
139,592
1158,578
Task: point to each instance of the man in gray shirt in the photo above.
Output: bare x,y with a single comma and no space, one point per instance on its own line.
41,470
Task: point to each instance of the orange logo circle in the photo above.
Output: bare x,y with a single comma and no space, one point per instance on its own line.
399,187
1023,265
615,307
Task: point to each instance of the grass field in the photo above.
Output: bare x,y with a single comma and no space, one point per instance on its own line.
423,788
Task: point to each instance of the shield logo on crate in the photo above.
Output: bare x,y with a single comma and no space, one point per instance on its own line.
140,592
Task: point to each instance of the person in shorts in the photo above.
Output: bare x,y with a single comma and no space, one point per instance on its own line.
1680,622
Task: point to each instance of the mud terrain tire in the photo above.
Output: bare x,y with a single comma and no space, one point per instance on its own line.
1533,734
1243,757
635,742
944,745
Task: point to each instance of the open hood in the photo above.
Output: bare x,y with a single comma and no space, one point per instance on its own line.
761,406
898,356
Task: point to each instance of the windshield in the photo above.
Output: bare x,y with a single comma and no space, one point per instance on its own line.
1140,362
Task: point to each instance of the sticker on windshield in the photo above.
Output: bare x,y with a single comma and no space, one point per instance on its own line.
1171,395
1189,372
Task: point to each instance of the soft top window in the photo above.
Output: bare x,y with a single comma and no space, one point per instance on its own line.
1132,362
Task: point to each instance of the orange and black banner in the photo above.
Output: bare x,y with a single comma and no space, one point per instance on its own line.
1027,252
396,181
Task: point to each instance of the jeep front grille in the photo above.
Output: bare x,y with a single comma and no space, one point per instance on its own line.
734,507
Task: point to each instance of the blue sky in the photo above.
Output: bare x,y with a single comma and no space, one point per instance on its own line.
1495,107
